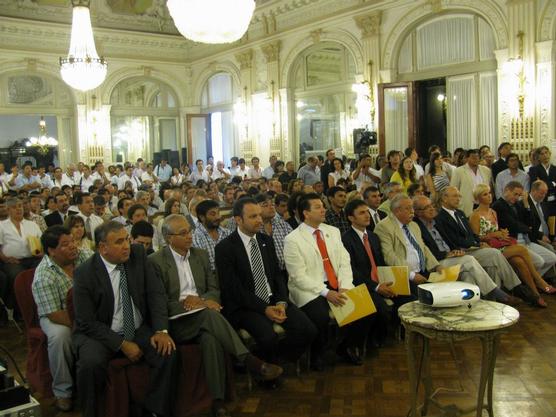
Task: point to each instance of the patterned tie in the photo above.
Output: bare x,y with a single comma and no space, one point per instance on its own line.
259,276
374,273
127,307
414,243
88,228
376,219
328,268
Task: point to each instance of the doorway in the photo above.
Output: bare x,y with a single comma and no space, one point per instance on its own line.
431,115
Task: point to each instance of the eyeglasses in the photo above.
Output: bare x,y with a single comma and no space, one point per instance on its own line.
180,233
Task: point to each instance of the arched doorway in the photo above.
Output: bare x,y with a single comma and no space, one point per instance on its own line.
144,119
322,78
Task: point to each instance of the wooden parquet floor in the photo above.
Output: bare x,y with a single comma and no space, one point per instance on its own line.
524,381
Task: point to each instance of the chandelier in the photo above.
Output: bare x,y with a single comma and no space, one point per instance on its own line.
44,142
82,69
212,21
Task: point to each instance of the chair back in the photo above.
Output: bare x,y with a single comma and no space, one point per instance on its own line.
69,305
24,297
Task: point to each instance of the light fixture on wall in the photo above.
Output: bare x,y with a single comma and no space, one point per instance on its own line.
212,21
43,142
364,102
82,69
516,67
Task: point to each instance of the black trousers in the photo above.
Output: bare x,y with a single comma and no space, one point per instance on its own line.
387,315
92,366
352,335
300,333
11,271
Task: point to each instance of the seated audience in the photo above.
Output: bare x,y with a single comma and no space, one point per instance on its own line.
142,233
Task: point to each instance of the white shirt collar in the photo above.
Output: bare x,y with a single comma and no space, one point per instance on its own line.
109,266
244,238
359,233
310,229
179,258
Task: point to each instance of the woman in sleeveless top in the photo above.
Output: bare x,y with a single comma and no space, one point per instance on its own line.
437,179
484,223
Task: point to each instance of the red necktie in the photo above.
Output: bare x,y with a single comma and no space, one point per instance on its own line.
374,274
330,274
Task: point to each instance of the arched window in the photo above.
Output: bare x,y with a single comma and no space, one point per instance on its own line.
144,118
323,76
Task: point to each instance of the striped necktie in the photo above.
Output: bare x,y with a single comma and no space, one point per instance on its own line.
422,264
259,276
127,307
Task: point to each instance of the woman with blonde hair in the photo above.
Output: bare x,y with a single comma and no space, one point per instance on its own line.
484,223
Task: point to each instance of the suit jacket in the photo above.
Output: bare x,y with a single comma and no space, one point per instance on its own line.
536,233
165,268
393,243
461,178
326,169
508,220
53,219
93,298
236,278
538,172
452,233
305,266
372,225
360,262
429,240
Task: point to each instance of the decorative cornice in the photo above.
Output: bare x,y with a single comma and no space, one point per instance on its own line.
271,51
245,59
369,24
316,35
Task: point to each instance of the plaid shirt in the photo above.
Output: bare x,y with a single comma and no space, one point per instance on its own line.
337,220
202,240
51,284
280,229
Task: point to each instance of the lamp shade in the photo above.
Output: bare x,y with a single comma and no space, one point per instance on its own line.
82,69
212,21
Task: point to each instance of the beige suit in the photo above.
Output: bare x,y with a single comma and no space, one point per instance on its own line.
463,180
393,242
305,266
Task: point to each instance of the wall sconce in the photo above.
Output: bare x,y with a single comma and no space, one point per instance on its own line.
516,67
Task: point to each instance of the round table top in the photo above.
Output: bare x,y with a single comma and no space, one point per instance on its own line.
482,316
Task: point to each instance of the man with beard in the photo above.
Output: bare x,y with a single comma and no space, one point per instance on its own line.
208,232
335,215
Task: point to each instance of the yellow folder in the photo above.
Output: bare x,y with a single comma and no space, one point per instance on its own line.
447,275
35,245
358,304
397,275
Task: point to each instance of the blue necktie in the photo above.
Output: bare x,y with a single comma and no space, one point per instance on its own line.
422,265
127,307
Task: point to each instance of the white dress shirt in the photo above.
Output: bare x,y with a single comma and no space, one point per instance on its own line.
247,243
413,264
187,282
14,244
118,317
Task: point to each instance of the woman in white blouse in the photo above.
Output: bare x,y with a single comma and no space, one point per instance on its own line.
177,177
339,172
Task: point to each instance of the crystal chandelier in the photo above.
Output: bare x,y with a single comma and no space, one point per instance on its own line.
212,21
82,69
44,142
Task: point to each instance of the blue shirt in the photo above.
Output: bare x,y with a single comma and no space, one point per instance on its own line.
163,172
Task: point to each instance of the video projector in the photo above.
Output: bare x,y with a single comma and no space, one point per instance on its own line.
448,294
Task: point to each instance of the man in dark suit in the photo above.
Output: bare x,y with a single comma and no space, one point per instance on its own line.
253,287
514,214
540,232
372,197
121,309
454,228
366,255
547,172
58,216
327,167
191,284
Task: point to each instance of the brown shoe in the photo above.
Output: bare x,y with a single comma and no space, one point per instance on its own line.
263,370
63,404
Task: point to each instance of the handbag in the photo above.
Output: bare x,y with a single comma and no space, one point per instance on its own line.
498,243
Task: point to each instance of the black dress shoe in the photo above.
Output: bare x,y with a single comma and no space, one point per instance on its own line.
350,355
219,409
262,370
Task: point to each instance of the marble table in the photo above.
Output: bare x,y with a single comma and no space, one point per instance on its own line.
485,320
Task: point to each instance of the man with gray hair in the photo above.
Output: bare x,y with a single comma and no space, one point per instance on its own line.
389,191
471,271
194,308
401,241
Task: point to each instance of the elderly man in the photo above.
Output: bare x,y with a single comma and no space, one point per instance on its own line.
471,271
402,243
221,172
53,279
191,284
121,308
454,227
309,173
540,232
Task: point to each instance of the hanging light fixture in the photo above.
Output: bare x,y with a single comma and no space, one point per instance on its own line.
82,69
212,21
43,143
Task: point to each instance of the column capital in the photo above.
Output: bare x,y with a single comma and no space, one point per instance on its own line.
245,59
369,23
271,51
